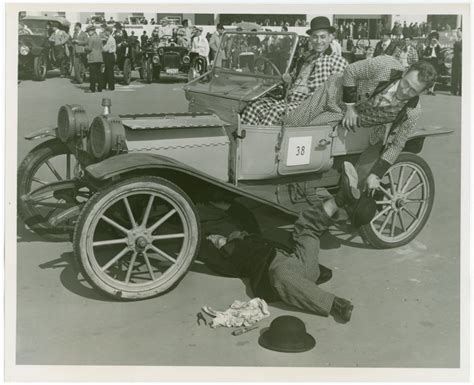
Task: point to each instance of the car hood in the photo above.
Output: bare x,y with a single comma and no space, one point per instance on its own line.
32,40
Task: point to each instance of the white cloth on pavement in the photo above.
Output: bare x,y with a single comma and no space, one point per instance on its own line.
240,313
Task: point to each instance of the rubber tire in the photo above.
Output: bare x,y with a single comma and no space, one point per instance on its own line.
38,62
127,71
367,232
103,197
156,73
79,71
28,167
149,70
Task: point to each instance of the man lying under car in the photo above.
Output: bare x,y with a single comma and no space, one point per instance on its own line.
292,275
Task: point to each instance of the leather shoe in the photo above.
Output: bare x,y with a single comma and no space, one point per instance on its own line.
348,191
341,310
325,274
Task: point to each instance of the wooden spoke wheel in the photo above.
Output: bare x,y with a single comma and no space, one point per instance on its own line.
404,203
137,238
48,163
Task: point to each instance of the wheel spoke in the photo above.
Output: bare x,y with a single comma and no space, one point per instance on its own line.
392,183
129,211
407,183
414,188
130,268
400,178
392,230
161,220
53,170
162,253
401,222
410,213
415,201
110,242
384,224
68,166
381,213
115,259
39,181
115,224
386,192
147,210
383,202
148,265
168,236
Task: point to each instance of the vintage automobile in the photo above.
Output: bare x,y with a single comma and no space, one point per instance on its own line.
127,186
35,56
167,56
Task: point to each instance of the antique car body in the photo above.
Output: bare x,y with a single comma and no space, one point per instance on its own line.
34,50
166,56
131,200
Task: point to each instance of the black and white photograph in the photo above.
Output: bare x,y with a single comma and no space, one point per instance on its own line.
237,191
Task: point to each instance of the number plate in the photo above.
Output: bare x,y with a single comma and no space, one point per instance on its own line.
172,71
299,151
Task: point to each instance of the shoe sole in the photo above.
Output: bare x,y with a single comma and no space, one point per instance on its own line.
351,174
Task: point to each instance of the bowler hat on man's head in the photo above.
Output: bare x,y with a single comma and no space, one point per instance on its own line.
386,32
320,22
287,334
90,28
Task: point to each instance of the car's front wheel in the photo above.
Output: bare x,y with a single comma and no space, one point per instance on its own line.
149,70
404,203
79,70
127,71
39,68
137,238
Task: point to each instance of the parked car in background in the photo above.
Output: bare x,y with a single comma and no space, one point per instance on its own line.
35,55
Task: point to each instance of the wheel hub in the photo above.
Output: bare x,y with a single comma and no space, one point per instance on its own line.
141,243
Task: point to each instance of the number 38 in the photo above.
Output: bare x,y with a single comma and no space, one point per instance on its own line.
300,150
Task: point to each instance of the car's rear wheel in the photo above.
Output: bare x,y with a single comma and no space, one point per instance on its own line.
137,238
39,68
79,70
404,203
149,70
127,71
49,162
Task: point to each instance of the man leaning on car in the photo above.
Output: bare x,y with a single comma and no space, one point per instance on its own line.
311,71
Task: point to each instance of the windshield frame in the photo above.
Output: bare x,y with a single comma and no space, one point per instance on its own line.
294,35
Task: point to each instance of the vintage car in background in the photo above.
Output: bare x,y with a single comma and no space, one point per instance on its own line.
126,187
35,55
167,56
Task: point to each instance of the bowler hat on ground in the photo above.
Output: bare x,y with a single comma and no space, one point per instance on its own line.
363,210
287,334
320,22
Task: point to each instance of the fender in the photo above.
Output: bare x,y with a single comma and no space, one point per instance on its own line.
121,164
429,131
42,133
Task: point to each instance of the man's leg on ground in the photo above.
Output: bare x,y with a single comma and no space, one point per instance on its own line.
366,162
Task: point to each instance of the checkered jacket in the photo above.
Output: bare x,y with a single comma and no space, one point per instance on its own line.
365,78
269,111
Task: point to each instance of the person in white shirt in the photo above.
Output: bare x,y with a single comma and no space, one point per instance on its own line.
166,29
199,44
335,46
108,52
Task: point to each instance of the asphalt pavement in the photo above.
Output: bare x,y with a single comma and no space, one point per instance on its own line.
407,300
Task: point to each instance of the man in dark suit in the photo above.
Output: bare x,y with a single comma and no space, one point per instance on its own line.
457,65
94,57
385,46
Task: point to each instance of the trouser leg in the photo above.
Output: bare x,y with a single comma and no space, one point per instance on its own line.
367,161
293,276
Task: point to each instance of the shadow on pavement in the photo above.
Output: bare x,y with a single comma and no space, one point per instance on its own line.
71,279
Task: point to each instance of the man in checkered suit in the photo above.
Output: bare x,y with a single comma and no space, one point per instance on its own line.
311,72
371,94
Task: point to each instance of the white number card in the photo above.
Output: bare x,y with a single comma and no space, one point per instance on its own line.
299,151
